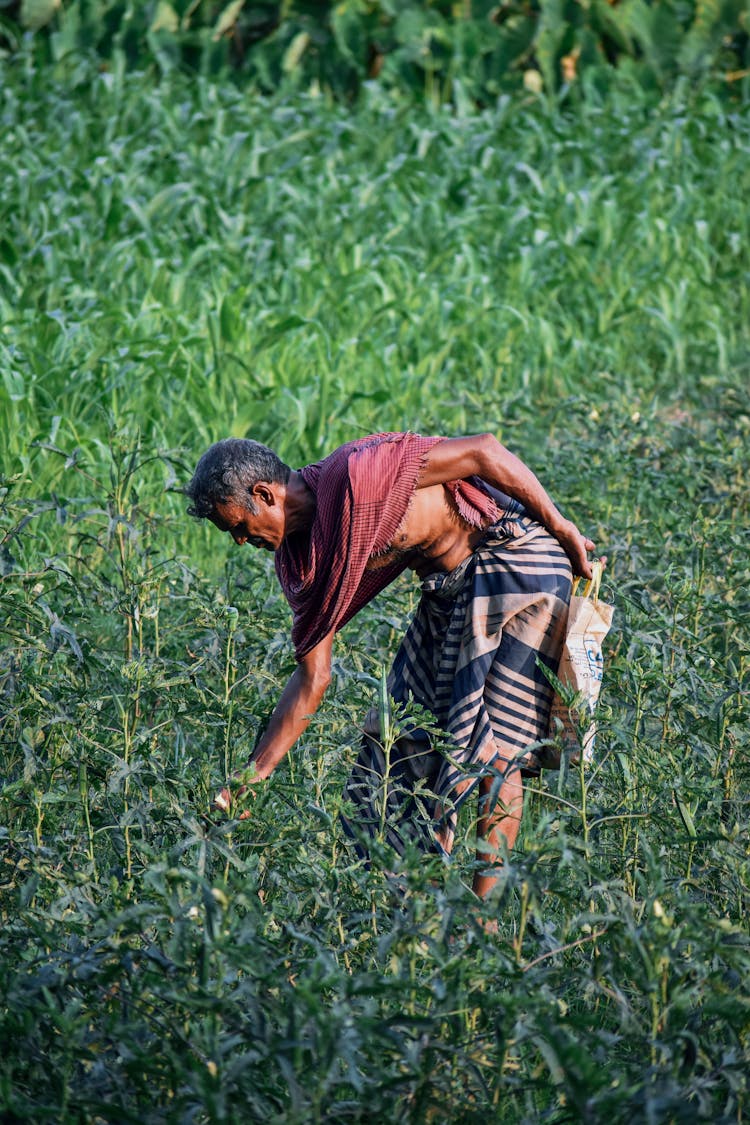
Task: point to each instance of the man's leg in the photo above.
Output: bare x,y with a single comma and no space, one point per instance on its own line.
501,822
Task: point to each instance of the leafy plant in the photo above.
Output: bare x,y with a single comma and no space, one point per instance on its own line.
443,51
181,262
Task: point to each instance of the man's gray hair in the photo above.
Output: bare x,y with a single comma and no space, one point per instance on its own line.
228,471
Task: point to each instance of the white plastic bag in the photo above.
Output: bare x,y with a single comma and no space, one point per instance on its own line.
572,726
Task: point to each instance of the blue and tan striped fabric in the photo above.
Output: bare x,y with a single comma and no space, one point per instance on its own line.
469,657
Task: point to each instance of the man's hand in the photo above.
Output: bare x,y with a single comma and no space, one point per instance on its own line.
239,793
222,800
225,799
575,545
291,716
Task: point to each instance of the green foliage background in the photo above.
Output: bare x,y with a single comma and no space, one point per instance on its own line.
460,49
181,259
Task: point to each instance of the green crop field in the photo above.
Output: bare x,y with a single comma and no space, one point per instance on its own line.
182,260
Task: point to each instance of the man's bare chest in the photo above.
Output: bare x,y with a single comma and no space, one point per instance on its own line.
432,535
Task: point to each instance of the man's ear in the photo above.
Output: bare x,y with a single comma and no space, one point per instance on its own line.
264,493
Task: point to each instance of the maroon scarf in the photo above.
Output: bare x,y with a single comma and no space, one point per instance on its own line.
362,491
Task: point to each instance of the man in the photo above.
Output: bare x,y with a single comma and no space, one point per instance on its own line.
495,558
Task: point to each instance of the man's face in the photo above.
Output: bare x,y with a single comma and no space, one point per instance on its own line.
264,528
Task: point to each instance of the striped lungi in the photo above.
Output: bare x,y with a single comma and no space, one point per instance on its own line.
469,658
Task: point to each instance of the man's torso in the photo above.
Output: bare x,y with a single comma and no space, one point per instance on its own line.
431,534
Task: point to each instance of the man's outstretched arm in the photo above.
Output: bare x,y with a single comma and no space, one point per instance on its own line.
297,703
485,457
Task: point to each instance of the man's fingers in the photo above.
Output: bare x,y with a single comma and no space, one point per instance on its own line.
223,800
228,799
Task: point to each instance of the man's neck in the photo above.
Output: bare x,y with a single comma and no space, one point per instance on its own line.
299,504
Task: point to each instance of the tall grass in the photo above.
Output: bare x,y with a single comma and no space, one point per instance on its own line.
182,262
180,244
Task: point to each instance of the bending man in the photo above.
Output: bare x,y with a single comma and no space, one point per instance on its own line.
495,558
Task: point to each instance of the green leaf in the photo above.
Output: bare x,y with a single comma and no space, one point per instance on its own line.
685,817
228,18
287,324
714,19
349,31
36,13
295,51
165,18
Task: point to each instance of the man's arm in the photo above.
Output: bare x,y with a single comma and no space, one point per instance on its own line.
297,703
485,457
